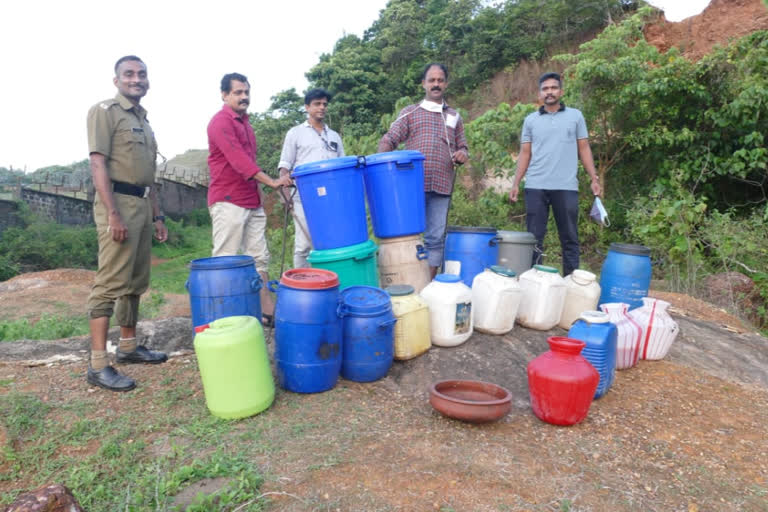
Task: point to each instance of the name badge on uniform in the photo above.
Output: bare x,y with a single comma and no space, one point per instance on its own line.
137,130
451,120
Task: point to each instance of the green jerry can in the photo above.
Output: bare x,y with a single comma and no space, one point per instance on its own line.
234,367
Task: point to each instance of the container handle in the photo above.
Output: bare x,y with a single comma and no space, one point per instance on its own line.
255,284
404,165
361,161
494,241
272,285
341,309
421,252
186,285
362,258
387,323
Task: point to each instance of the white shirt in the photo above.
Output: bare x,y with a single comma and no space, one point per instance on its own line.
303,144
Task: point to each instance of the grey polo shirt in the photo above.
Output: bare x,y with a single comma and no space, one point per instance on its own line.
554,148
303,144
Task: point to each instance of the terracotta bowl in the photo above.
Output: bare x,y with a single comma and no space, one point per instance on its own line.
470,400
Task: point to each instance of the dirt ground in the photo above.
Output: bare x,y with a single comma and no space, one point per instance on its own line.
667,436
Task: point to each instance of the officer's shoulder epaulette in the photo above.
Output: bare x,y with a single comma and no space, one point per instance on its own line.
107,104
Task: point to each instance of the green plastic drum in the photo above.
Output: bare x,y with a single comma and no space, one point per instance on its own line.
234,367
355,264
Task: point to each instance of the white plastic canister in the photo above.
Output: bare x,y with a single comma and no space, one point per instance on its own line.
450,310
581,294
543,298
412,327
403,260
495,299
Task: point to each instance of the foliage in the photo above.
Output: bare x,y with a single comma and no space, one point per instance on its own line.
48,327
270,127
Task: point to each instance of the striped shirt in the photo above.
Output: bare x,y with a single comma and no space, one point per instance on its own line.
426,131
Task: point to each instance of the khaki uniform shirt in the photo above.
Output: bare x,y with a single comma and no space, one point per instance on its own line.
120,131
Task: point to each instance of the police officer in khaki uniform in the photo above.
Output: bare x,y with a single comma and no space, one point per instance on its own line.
123,151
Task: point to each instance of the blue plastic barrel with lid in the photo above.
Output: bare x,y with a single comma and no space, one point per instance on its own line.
223,286
333,196
394,184
476,248
626,274
307,330
368,332
600,335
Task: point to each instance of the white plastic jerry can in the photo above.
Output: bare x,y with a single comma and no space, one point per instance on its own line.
450,310
581,294
543,298
495,299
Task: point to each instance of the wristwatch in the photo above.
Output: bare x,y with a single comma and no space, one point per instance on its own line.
159,217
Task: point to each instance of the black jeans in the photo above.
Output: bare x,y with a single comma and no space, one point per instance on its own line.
565,207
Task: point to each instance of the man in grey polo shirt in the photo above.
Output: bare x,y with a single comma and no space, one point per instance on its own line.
554,138
311,141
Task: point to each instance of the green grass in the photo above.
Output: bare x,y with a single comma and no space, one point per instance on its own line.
48,327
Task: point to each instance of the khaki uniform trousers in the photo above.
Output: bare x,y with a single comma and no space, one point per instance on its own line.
123,273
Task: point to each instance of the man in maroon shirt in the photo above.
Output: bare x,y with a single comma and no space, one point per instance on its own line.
239,220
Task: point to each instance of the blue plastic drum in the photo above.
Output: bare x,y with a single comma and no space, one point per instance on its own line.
307,330
394,184
600,335
476,248
626,274
333,196
223,286
368,327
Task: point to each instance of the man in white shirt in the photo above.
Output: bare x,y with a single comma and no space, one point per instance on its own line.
311,141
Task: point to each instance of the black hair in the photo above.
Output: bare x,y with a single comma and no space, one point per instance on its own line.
551,75
226,81
125,59
316,94
431,65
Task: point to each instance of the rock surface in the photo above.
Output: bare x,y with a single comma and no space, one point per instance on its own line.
49,498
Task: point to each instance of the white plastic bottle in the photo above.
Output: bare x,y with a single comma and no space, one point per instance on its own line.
495,298
581,294
450,310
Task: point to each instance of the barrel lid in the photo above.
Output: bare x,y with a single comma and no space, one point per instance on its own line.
544,268
594,317
310,278
502,271
638,250
393,156
398,290
363,249
447,278
365,300
517,237
332,164
471,229
221,262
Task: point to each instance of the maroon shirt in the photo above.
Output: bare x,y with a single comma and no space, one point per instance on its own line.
232,160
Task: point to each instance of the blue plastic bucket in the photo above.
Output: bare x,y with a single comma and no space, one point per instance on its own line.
307,330
394,184
223,286
476,248
594,329
368,327
333,196
626,274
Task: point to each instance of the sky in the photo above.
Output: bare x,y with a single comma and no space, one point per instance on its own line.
57,60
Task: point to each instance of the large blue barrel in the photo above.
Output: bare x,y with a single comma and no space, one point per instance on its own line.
394,184
368,327
223,286
333,196
307,330
476,248
600,335
626,274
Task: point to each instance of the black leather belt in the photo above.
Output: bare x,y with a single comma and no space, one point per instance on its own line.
129,190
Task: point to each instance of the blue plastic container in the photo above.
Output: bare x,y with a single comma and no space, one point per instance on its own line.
477,248
333,196
223,286
594,329
307,330
368,333
394,184
626,274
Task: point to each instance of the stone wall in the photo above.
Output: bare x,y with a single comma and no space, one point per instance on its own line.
9,214
177,199
58,208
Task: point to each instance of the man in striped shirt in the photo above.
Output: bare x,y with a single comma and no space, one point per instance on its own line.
436,130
